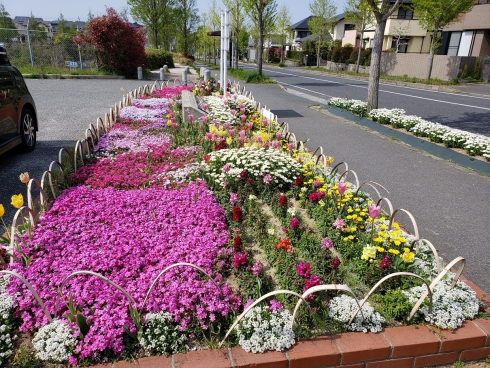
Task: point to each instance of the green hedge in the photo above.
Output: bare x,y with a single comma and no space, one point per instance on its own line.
156,59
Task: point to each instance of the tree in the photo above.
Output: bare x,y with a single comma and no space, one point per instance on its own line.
434,15
237,18
263,14
154,14
360,14
382,10
5,20
186,21
283,27
37,32
321,24
215,22
120,46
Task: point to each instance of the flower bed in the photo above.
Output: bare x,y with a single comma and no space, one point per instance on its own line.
232,210
473,144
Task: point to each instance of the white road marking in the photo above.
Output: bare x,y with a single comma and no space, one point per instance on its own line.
365,87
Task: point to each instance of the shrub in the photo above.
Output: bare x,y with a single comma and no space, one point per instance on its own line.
156,58
120,46
464,73
366,57
345,53
336,55
476,72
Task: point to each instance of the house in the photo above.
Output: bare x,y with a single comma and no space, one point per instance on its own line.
346,31
471,35
301,33
68,24
21,23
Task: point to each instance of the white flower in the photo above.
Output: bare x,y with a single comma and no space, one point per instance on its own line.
343,307
262,329
54,341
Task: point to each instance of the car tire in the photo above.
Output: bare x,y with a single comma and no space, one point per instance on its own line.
28,130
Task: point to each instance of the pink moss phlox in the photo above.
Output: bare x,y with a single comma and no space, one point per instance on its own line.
129,237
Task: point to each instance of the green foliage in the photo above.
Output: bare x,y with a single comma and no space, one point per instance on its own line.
464,73
249,76
5,20
458,364
476,71
156,58
394,305
26,359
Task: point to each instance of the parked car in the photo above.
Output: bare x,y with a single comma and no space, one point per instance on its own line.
18,117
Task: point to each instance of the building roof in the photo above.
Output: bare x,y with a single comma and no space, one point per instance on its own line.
302,24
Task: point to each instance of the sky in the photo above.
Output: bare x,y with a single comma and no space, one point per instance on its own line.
74,9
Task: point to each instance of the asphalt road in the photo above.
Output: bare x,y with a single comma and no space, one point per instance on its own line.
450,203
65,108
456,110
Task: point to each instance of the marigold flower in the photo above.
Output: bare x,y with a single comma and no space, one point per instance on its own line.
24,177
17,200
407,256
2,210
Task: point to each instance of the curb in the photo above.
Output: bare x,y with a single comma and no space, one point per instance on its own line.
442,152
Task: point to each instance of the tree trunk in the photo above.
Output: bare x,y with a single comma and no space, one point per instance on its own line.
359,55
431,58
236,51
318,55
260,46
373,87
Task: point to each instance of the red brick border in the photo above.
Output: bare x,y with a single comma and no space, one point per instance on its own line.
401,347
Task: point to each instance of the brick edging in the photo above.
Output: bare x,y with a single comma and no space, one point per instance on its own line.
400,347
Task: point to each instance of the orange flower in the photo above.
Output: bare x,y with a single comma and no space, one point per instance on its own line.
286,245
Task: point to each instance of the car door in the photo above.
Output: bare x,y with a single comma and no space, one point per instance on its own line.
8,106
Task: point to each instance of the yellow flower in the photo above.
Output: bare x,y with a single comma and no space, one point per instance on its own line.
17,200
212,128
394,251
24,177
264,137
380,249
2,210
169,122
229,141
368,252
321,203
222,132
407,256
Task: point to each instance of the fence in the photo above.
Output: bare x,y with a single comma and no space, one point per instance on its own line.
46,49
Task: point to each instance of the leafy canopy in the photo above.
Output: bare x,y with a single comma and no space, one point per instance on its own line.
120,46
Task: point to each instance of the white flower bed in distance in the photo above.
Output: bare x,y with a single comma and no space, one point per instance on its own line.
474,144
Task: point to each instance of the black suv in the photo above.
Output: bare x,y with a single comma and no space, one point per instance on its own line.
18,120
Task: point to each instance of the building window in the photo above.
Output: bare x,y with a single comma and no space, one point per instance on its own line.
453,46
405,13
400,44
349,27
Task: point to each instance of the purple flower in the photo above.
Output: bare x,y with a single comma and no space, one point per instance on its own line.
374,211
226,168
256,268
233,198
275,305
239,259
267,178
339,224
294,223
303,269
327,243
